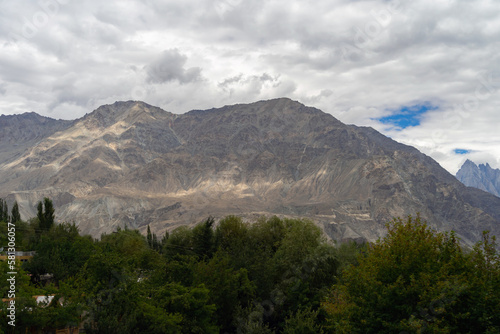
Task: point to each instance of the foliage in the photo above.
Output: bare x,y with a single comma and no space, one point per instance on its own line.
269,276
416,280
45,214
153,242
15,215
4,211
303,322
61,251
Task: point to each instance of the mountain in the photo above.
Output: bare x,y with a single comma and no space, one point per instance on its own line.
481,177
21,132
133,164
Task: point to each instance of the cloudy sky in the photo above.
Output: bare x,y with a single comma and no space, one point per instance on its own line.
425,72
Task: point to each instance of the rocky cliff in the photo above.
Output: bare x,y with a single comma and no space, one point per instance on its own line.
133,164
481,177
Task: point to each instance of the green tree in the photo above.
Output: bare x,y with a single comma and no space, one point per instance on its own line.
4,211
229,288
304,321
48,214
180,242
15,215
203,239
149,237
39,214
189,307
61,252
132,246
416,280
45,214
152,240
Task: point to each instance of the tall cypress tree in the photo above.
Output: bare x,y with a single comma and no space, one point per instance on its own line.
49,213
1,209
40,216
149,237
15,215
45,214
203,238
4,211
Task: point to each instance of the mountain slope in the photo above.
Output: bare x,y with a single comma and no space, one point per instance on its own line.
135,164
481,177
20,132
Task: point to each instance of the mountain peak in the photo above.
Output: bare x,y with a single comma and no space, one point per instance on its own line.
135,164
469,162
481,177
126,111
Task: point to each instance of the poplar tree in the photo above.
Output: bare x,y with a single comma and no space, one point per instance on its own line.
45,214
15,215
4,211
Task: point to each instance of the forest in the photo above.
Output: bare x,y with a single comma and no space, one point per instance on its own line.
272,275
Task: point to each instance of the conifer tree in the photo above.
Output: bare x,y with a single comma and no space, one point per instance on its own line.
4,211
49,212
1,209
149,237
45,214
204,238
156,244
39,214
15,215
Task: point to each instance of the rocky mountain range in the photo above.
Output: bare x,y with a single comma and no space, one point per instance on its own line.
134,164
481,177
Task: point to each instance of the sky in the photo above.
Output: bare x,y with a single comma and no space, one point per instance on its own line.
425,73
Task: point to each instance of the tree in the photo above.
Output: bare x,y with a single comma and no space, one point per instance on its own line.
48,213
149,237
203,239
152,240
180,242
4,211
229,288
45,214
163,241
303,322
417,280
61,252
15,215
39,214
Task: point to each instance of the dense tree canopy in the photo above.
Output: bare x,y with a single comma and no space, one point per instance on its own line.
417,280
269,276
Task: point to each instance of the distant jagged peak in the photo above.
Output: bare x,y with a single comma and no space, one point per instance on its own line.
469,167
480,176
469,163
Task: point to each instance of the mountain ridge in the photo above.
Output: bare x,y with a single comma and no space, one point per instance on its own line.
480,176
130,163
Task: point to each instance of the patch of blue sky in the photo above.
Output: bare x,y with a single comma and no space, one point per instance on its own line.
461,151
407,116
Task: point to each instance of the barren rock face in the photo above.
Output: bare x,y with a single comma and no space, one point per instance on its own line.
133,164
481,177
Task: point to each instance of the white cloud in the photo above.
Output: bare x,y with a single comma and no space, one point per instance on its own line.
169,66
354,59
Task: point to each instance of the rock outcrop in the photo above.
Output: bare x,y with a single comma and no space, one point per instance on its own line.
481,177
